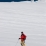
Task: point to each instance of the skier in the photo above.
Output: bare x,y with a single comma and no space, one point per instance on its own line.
23,38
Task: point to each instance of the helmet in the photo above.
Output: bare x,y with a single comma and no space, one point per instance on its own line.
22,32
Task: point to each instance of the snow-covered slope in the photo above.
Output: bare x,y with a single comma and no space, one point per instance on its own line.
29,17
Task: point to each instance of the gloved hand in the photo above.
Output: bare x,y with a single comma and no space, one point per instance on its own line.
19,38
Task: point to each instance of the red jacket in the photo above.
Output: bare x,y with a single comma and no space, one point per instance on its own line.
23,37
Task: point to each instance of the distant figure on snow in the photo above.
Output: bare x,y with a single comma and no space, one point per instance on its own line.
23,38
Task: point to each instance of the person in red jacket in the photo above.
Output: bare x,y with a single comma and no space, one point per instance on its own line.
23,38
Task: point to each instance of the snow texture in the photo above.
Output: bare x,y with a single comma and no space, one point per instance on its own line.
29,17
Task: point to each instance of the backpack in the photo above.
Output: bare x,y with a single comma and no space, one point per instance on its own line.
25,37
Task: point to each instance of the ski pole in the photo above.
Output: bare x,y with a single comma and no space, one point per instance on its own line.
16,43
